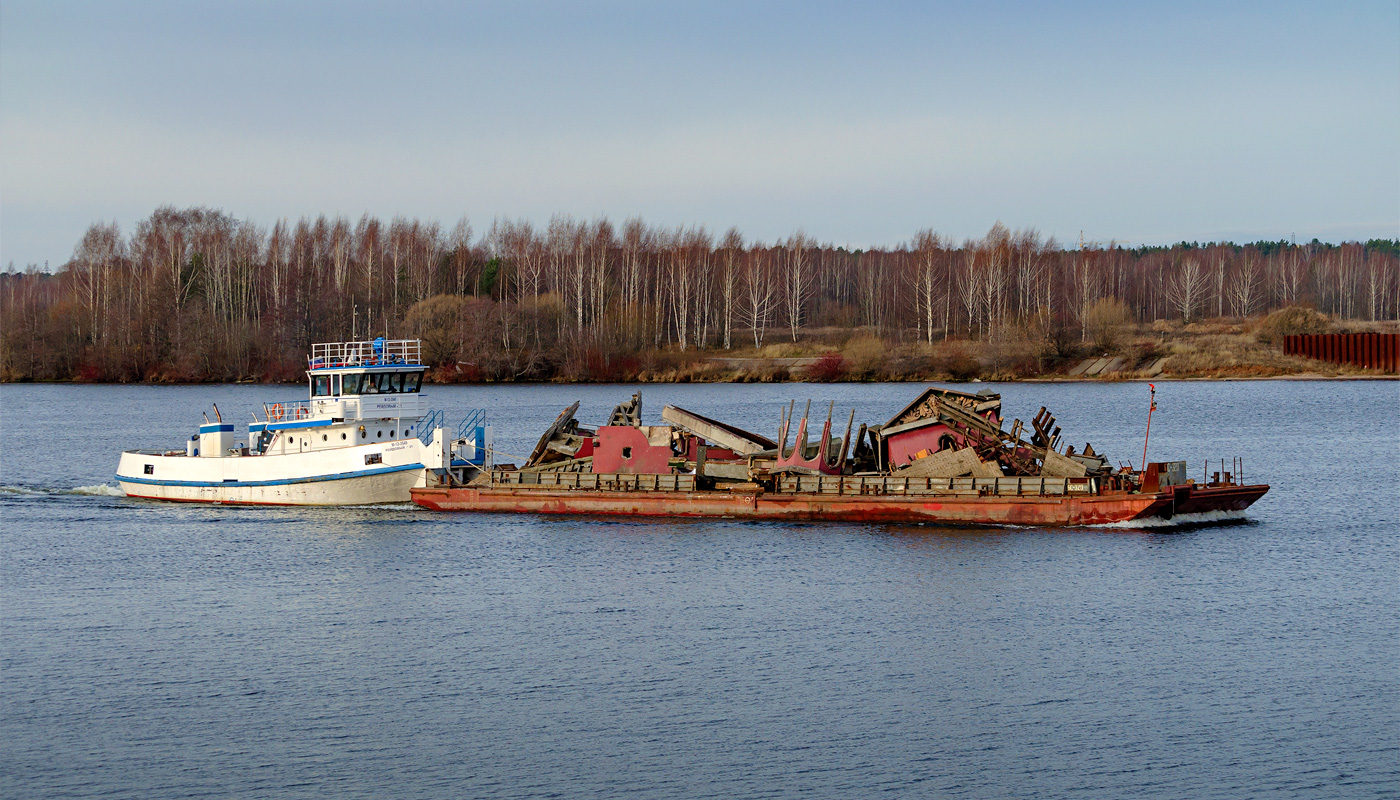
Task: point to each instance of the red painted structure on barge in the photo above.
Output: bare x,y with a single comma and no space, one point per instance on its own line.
1042,510
1369,350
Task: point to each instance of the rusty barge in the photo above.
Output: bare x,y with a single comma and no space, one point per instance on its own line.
944,458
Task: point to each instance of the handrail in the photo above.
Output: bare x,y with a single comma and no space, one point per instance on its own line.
428,425
326,355
287,411
475,418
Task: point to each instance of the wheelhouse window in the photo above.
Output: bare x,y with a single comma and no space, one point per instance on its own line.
321,386
383,383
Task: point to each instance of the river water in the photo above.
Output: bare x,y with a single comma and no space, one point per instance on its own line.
155,650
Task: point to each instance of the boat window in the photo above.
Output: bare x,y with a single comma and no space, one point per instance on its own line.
411,381
320,386
384,385
335,384
367,386
396,382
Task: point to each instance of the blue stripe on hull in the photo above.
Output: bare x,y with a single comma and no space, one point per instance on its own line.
339,476
286,426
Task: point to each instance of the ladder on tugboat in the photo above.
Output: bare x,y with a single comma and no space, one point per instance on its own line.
429,424
476,418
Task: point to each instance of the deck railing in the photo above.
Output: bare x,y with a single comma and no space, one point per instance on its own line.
1043,486
288,411
589,480
360,354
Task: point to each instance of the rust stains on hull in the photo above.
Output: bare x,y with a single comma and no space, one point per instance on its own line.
1035,511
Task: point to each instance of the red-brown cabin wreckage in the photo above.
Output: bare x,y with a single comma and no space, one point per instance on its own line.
944,458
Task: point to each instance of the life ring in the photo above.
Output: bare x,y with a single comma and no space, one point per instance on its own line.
303,412
276,411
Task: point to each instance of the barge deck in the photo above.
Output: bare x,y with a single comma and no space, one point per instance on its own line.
944,458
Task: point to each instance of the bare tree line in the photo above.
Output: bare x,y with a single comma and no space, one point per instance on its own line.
194,294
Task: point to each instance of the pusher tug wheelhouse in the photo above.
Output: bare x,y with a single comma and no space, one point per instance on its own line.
365,436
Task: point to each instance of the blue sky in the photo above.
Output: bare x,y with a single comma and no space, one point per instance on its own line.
859,123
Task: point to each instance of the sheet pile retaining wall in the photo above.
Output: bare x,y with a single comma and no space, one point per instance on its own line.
1380,351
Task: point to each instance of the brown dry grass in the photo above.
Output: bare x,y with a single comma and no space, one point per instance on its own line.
1223,348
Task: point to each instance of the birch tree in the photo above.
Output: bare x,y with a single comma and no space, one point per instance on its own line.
797,282
730,248
759,292
1187,288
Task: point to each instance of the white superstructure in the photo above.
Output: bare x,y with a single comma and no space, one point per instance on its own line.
365,435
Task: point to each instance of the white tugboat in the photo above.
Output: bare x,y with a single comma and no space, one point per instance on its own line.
365,436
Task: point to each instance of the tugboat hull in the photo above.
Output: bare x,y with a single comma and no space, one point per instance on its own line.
374,489
332,478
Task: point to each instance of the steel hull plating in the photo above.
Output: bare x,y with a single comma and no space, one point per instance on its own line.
992,510
392,487
357,475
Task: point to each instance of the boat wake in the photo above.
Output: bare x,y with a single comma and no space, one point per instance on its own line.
1180,521
109,490
96,490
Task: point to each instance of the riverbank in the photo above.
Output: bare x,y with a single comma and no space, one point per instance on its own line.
1221,349
1213,350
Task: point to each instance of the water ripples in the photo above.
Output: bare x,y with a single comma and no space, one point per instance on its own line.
160,650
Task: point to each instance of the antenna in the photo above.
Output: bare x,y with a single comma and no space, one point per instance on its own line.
1150,409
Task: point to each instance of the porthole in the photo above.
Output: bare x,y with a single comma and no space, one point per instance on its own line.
379,434
391,434
342,437
364,434
324,437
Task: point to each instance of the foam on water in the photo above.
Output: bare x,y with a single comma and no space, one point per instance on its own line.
99,490
1179,521
109,490
96,490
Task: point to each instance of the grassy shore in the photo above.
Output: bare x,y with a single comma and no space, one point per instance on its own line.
1218,349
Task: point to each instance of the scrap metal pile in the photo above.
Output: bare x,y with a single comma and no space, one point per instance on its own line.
942,434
